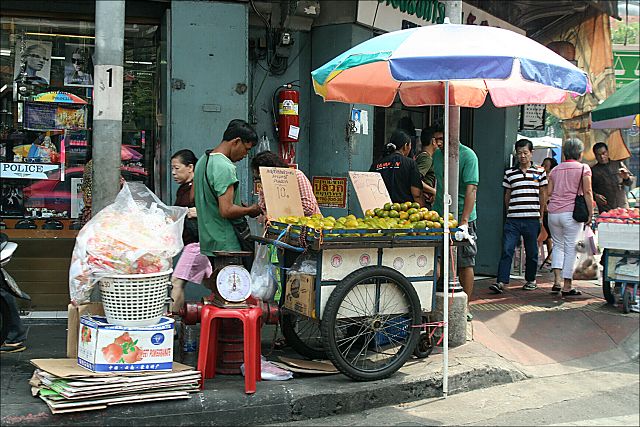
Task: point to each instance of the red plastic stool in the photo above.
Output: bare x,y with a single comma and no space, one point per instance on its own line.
251,318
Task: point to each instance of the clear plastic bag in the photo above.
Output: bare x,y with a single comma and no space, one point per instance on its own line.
305,264
271,372
263,145
136,234
263,284
586,265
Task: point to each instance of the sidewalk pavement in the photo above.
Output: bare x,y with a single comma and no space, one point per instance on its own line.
514,336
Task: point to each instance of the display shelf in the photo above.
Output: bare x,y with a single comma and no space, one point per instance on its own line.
39,233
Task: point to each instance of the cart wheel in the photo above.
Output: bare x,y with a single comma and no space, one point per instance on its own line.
303,334
366,324
609,291
626,300
424,347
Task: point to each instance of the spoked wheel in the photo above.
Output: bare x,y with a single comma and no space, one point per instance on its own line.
424,347
304,335
367,323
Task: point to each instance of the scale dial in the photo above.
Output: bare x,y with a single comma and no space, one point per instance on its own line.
234,283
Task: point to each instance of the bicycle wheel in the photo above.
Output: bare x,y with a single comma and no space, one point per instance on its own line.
367,323
303,335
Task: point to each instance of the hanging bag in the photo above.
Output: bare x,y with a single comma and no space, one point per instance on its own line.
580,210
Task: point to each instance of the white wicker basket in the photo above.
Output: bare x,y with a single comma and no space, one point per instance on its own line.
135,299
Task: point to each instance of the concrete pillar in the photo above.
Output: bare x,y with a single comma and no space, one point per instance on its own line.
457,316
107,102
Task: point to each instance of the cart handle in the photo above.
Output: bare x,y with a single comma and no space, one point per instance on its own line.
277,243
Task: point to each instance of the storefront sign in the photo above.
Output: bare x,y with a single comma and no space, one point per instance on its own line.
45,116
626,62
390,14
281,192
473,16
330,192
27,170
532,117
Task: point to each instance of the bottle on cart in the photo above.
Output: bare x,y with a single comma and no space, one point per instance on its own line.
190,345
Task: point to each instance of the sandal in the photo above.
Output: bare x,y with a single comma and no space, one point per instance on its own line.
572,293
555,289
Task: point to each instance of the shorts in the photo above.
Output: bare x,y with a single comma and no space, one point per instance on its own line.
467,253
192,265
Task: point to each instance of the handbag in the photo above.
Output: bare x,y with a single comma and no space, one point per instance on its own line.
580,210
240,225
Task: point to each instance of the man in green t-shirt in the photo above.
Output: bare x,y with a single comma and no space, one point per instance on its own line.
425,161
216,189
468,180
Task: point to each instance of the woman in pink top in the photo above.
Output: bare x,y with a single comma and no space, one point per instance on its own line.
567,180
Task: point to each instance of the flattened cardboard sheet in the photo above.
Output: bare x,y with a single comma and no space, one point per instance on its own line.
281,192
370,189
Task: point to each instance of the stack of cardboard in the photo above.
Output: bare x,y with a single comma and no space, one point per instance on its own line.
66,387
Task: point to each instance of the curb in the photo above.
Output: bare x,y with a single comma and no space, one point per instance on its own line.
224,403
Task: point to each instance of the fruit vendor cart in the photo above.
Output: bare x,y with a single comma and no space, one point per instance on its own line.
368,297
619,237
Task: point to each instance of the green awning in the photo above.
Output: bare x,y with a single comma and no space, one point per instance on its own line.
624,102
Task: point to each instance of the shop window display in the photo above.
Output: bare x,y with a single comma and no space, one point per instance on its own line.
46,70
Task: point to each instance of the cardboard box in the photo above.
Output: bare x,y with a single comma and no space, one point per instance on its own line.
74,313
300,295
103,347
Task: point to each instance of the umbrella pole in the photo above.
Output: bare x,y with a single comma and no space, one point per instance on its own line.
445,254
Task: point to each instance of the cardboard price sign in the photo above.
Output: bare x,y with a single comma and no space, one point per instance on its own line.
370,189
281,192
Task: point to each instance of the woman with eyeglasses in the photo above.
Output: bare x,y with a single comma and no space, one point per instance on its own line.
34,59
79,74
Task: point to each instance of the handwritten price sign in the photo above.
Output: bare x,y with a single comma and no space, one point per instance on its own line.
370,189
281,192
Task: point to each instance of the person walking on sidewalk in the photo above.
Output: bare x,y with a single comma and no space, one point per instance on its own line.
567,180
524,198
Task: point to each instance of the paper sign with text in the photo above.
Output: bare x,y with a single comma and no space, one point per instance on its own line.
281,192
330,192
370,189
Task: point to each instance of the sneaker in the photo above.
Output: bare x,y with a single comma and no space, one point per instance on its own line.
12,347
530,286
497,288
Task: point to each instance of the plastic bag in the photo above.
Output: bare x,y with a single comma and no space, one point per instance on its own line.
136,234
263,284
271,372
263,144
305,264
586,265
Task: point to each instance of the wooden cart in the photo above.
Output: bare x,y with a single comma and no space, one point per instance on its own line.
363,307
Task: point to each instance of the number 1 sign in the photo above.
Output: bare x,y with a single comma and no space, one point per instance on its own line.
107,92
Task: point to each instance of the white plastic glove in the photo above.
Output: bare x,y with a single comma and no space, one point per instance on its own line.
463,234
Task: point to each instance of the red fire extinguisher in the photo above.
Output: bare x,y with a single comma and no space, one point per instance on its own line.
288,123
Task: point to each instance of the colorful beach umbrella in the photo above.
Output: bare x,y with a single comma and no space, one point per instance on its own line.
620,110
59,97
475,60
447,65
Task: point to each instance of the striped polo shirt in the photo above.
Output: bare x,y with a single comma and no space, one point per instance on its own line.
525,191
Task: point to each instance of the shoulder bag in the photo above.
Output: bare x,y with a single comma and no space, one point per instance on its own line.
240,225
580,210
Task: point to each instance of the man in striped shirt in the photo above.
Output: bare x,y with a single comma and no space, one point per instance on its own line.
524,197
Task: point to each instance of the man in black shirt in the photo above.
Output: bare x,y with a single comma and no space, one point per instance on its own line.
400,173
